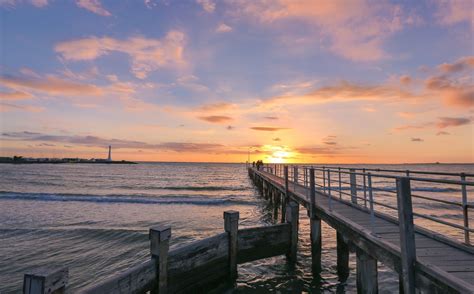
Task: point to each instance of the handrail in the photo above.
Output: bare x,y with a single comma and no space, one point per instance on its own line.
355,179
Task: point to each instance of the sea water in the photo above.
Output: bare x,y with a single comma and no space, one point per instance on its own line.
94,219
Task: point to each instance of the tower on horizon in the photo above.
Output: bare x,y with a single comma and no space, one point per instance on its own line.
110,154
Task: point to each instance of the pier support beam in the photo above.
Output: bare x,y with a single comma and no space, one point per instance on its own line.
366,273
231,226
292,217
342,257
46,280
159,247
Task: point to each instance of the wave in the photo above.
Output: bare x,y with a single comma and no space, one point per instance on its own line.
184,188
136,199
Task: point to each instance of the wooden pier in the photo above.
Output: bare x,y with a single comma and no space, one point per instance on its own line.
426,261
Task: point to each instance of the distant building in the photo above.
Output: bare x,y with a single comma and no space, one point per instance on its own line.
110,154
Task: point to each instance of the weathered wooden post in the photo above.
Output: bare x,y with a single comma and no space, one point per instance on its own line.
295,174
231,226
286,196
315,226
292,217
342,257
407,234
353,182
366,273
159,247
46,281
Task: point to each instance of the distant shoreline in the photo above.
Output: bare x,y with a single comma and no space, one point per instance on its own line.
64,162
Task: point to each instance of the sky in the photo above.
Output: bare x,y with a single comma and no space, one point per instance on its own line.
350,81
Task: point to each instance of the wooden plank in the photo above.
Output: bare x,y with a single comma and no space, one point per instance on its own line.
137,279
262,242
159,247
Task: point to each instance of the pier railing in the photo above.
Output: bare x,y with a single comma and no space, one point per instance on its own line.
375,190
200,266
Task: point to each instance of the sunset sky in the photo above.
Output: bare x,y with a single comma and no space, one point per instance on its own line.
349,81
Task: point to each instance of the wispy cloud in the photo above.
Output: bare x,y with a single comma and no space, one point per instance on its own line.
417,140
95,141
93,6
223,28
268,129
216,118
336,21
51,85
147,55
441,123
14,107
16,95
208,5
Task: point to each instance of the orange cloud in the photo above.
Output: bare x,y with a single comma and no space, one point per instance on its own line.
52,86
16,95
460,65
443,122
216,118
147,55
344,91
453,93
268,129
94,6
4,107
219,106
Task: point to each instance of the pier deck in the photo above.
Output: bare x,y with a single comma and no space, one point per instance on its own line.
440,266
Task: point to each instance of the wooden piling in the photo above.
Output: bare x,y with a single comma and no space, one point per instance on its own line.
407,234
366,273
46,281
292,217
315,226
231,226
342,257
159,247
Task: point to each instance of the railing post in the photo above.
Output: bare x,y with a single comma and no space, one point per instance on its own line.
159,247
286,196
295,174
231,226
407,234
292,217
371,203
353,182
329,190
465,210
315,226
365,188
46,280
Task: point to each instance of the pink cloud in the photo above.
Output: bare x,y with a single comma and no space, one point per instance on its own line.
356,29
93,6
457,66
146,55
208,5
268,129
4,107
450,12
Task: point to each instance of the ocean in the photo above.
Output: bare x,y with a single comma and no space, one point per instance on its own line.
94,219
